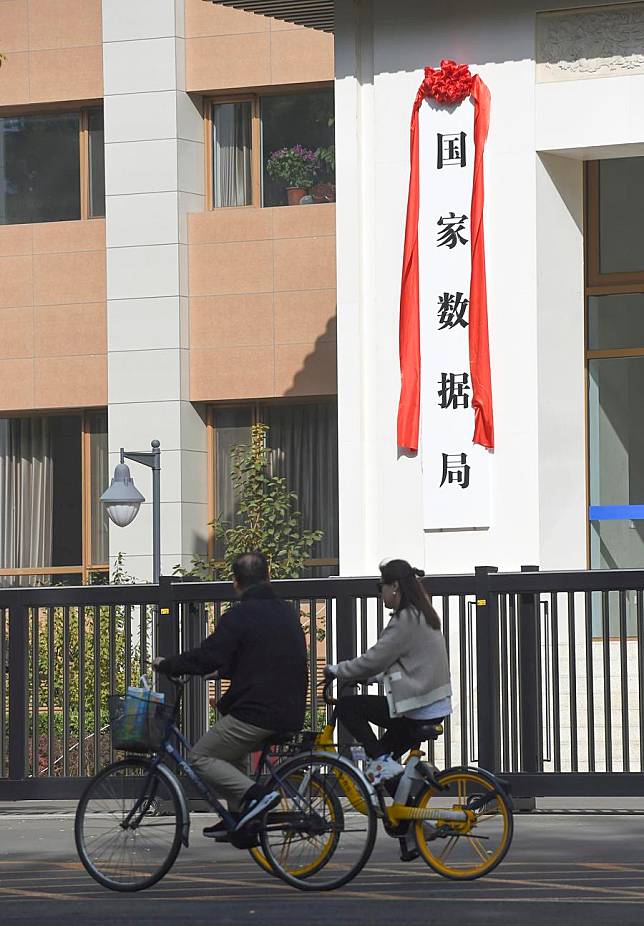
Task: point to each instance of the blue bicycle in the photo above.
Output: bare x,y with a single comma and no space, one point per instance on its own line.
133,817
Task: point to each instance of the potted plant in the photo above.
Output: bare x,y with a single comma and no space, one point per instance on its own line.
324,189
297,167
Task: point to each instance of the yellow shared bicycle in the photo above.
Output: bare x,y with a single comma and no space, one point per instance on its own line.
459,821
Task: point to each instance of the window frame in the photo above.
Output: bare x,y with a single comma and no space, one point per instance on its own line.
598,284
255,407
254,99
602,283
86,567
255,154
83,112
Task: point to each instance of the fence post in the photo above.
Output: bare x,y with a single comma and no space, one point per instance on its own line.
167,629
346,645
529,638
194,630
18,690
487,670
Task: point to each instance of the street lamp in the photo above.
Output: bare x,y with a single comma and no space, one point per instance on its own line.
122,500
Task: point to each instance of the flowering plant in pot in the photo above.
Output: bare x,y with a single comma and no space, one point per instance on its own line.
324,189
297,167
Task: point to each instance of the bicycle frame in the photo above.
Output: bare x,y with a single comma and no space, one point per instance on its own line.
168,749
395,813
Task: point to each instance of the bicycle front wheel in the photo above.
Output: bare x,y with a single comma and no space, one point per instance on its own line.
323,832
471,847
129,825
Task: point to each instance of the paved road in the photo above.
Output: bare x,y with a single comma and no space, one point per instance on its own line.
561,869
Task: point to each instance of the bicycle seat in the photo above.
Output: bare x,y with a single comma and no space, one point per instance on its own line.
430,731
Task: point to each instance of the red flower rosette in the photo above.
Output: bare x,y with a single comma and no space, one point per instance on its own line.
448,84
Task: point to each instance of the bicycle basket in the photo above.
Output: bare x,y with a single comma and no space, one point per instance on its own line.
138,722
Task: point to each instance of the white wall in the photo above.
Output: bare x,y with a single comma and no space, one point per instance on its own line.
535,277
154,155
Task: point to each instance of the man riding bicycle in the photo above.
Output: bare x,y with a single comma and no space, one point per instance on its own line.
260,646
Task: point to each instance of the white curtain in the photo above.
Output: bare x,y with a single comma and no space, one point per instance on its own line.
231,143
26,496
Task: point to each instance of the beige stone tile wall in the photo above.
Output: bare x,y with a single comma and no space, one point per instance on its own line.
52,316
228,49
262,302
53,49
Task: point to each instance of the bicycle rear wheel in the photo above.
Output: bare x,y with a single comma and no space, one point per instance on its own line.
323,832
463,851
129,825
328,805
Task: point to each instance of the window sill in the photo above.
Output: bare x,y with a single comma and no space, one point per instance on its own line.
279,206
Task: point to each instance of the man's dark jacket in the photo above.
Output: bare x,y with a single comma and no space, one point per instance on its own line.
259,645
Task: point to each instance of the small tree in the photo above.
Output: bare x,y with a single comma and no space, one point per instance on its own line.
268,517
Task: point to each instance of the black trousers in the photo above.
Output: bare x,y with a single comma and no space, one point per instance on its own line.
357,711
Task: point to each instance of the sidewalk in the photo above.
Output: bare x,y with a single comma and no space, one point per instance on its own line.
578,805
33,808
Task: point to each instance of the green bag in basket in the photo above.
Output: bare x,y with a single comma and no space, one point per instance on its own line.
137,722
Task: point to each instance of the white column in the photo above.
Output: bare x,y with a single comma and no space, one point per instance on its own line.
154,154
563,508
380,511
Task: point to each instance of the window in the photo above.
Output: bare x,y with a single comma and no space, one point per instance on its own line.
53,470
304,437
43,172
273,150
615,361
96,163
231,152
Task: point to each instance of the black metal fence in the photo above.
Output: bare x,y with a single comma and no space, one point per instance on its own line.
547,671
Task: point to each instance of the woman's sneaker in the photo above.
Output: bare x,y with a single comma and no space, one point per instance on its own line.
382,769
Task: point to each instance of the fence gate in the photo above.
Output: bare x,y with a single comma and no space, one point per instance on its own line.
547,671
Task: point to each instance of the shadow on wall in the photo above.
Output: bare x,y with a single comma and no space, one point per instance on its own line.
474,31
318,375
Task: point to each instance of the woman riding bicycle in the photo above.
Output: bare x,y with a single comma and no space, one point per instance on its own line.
410,658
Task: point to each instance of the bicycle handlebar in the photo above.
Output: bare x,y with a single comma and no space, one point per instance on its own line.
327,684
179,680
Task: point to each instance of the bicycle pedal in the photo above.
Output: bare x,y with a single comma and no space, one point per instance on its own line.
244,839
407,855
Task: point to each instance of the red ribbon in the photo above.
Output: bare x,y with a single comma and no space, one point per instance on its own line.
449,84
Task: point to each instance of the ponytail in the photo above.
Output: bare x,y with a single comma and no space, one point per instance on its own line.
412,592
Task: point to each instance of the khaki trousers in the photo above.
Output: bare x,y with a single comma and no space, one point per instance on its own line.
221,757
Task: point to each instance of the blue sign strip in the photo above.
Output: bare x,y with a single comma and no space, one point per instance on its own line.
616,512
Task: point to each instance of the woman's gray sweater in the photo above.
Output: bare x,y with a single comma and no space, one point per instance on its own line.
410,658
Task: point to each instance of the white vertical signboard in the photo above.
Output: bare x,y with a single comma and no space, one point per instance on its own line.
456,472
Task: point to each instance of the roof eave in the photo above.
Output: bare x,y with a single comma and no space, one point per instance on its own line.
316,14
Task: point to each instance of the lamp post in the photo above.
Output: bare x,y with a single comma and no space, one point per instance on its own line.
122,500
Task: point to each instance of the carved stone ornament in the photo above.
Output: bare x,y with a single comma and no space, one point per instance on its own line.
600,41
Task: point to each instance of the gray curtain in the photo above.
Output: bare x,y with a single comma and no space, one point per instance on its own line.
26,497
99,481
232,427
231,147
305,440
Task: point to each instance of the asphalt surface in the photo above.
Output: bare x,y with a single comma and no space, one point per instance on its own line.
560,869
